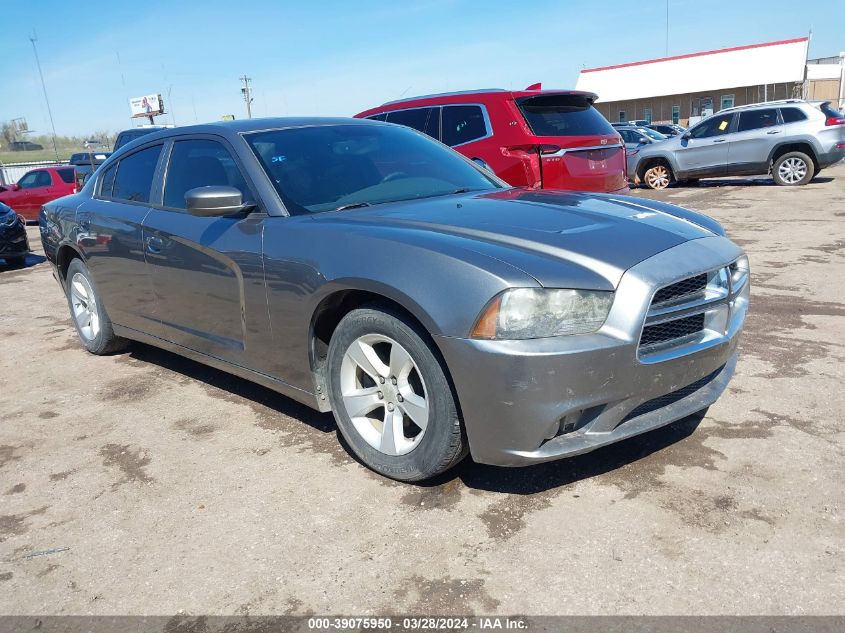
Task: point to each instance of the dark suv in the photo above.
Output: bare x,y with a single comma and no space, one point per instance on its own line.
550,139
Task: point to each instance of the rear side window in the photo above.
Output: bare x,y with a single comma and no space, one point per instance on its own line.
66,175
135,175
757,119
200,163
421,119
792,115
107,182
564,115
462,124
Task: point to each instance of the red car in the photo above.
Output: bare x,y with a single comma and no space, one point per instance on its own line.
534,138
37,187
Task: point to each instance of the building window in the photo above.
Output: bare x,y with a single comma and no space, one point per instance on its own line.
622,118
727,101
676,114
647,114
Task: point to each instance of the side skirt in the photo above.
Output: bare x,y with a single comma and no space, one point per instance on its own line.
300,395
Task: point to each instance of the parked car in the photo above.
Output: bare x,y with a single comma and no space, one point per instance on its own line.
363,268
635,138
14,245
85,163
37,187
635,122
667,129
127,136
551,139
792,140
24,146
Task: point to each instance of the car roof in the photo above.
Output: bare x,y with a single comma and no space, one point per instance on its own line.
496,93
765,104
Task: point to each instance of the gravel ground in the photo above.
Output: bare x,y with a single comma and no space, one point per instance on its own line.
143,483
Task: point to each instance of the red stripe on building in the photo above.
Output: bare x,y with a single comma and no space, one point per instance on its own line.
688,55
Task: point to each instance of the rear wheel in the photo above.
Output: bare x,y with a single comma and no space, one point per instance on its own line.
391,398
88,312
657,176
793,168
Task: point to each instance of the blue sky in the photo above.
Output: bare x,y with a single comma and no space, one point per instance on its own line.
337,58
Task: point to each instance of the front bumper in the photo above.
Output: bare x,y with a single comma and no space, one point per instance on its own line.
538,400
13,240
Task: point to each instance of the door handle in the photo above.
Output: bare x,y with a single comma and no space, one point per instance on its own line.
154,244
773,132
720,140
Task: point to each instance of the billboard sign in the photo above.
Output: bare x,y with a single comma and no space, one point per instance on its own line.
149,105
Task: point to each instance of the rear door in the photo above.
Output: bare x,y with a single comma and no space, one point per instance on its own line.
578,148
705,152
757,133
109,226
207,272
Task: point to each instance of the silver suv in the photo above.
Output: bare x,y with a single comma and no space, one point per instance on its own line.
792,140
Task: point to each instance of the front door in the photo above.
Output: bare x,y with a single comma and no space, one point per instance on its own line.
207,272
36,189
705,151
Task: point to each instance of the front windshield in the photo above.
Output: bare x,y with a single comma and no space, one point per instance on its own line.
328,167
657,136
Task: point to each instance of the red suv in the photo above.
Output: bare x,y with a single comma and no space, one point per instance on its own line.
38,187
534,138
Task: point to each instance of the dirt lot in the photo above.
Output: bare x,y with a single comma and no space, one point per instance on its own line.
161,485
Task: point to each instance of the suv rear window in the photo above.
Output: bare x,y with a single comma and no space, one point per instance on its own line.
66,174
563,115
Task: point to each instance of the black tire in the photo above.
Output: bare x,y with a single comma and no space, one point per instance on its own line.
16,262
443,443
801,161
105,341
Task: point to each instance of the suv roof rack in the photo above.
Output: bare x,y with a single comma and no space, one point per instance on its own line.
446,94
762,104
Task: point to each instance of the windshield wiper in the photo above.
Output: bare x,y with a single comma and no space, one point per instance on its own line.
354,205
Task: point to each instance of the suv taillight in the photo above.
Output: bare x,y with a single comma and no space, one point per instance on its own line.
835,120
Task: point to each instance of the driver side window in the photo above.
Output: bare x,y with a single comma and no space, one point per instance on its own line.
35,179
714,126
201,163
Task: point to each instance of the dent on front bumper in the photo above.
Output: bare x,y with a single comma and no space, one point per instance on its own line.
538,400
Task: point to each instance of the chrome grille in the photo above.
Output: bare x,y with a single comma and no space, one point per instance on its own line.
671,330
684,289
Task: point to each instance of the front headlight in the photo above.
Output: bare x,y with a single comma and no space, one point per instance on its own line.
739,273
524,313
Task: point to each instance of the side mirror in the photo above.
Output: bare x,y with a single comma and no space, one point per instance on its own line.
646,141
214,201
686,136
15,187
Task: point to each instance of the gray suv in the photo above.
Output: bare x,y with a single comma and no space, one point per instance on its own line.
792,140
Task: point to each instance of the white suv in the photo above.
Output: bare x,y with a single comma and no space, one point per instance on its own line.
792,139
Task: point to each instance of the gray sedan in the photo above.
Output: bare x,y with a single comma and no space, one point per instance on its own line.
365,269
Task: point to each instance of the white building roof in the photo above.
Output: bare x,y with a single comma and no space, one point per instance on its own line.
756,64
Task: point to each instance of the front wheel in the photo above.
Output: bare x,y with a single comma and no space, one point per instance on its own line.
657,176
88,312
793,168
391,398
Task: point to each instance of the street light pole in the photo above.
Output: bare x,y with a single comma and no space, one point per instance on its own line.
247,93
33,39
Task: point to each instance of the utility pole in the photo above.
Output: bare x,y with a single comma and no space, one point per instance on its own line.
667,28
33,39
247,93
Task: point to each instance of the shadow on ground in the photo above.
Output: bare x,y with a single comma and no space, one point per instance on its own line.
31,260
525,481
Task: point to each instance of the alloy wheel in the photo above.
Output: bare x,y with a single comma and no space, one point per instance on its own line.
657,177
84,307
384,394
792,170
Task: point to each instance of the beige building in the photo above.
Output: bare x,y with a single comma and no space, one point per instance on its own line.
684,88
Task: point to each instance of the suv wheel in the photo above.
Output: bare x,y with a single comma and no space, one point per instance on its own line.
657,176
88,312
391,398
793,168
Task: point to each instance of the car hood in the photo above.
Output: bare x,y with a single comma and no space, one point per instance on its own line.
544,233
